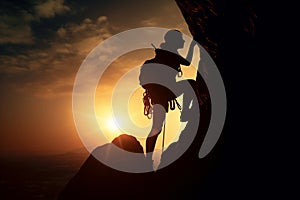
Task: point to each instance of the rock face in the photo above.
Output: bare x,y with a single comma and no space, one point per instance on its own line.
219,23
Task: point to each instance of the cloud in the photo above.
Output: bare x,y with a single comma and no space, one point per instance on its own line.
150,22
49,67
13,35
51,8
16,22
61,32
16,29
50,72
84,36
102,19
87,27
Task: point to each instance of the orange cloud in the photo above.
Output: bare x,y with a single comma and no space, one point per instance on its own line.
15,29
50,8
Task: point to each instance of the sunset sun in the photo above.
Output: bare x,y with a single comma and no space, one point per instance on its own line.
111,124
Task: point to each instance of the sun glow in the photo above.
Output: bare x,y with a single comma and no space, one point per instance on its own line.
111,125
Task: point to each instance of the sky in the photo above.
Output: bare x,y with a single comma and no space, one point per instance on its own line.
42,45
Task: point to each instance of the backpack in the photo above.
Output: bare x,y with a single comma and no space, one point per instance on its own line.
153,72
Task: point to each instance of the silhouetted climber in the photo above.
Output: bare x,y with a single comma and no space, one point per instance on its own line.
161,88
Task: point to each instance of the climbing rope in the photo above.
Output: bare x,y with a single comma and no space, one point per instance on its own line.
164,133
147,104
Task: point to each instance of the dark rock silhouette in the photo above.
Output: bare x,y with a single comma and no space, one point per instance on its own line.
128,143
95,179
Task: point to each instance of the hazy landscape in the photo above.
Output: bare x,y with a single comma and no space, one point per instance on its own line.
38,177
